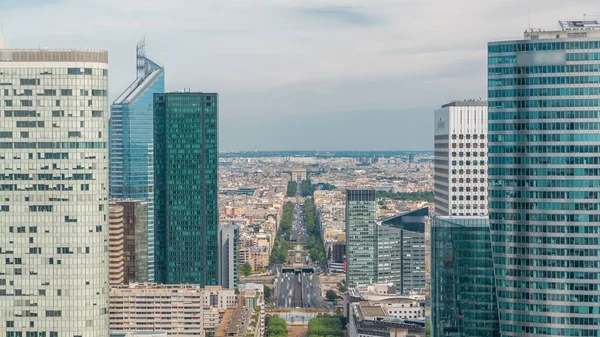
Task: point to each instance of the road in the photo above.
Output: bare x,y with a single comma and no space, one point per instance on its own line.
298,290
298,234
286,291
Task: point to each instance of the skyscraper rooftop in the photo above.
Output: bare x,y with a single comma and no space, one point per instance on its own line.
568,29
579,25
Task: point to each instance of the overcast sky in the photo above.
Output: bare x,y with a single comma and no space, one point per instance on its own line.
300,75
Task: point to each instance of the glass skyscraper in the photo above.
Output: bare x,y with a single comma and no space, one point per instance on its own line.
131,146
401,251
186,187
544,180
361,241
53,193
463,295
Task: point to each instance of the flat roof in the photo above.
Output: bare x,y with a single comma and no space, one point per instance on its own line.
222,328
54,55
471,102
372,311
579,24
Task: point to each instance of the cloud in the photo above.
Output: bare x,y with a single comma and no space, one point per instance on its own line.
12,4
341,15
294,62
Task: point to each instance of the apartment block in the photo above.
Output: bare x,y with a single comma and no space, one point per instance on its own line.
174,309
116,245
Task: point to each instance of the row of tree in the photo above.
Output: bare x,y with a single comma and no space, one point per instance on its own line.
406,196
276,326
315,245
306,188
292,188
325,326
281,246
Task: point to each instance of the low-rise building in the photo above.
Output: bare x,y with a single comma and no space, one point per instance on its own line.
392,304
242,322
219,297
404,308
138,334
366,320
174,309
382,302
211,318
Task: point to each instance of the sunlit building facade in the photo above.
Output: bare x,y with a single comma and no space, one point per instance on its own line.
54,193
461,129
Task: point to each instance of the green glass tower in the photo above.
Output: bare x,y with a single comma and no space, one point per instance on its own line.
185,175
544,204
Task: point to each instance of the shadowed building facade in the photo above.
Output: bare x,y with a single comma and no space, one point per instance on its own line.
401,251
186,187
361,241
463,294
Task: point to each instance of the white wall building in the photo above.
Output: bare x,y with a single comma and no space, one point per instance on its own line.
461,159
402,308
53,192
174,309
219,297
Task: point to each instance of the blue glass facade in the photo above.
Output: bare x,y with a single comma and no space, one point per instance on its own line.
131,143
544,150
463,295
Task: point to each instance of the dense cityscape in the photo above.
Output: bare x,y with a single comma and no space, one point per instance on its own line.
125,219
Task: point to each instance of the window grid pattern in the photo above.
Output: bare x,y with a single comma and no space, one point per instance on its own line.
186,188
543,110
54,196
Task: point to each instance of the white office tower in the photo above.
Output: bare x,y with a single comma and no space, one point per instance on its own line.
53,193
461,159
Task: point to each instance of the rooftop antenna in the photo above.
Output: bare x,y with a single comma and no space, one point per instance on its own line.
141,63
529,19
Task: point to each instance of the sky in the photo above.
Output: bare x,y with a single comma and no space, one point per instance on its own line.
304,74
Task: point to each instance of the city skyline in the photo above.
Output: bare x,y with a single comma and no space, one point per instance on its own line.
103,203
266,59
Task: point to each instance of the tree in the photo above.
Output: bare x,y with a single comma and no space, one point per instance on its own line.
246,269
292,188
342,288
323,326
331,295
267,291
276,327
